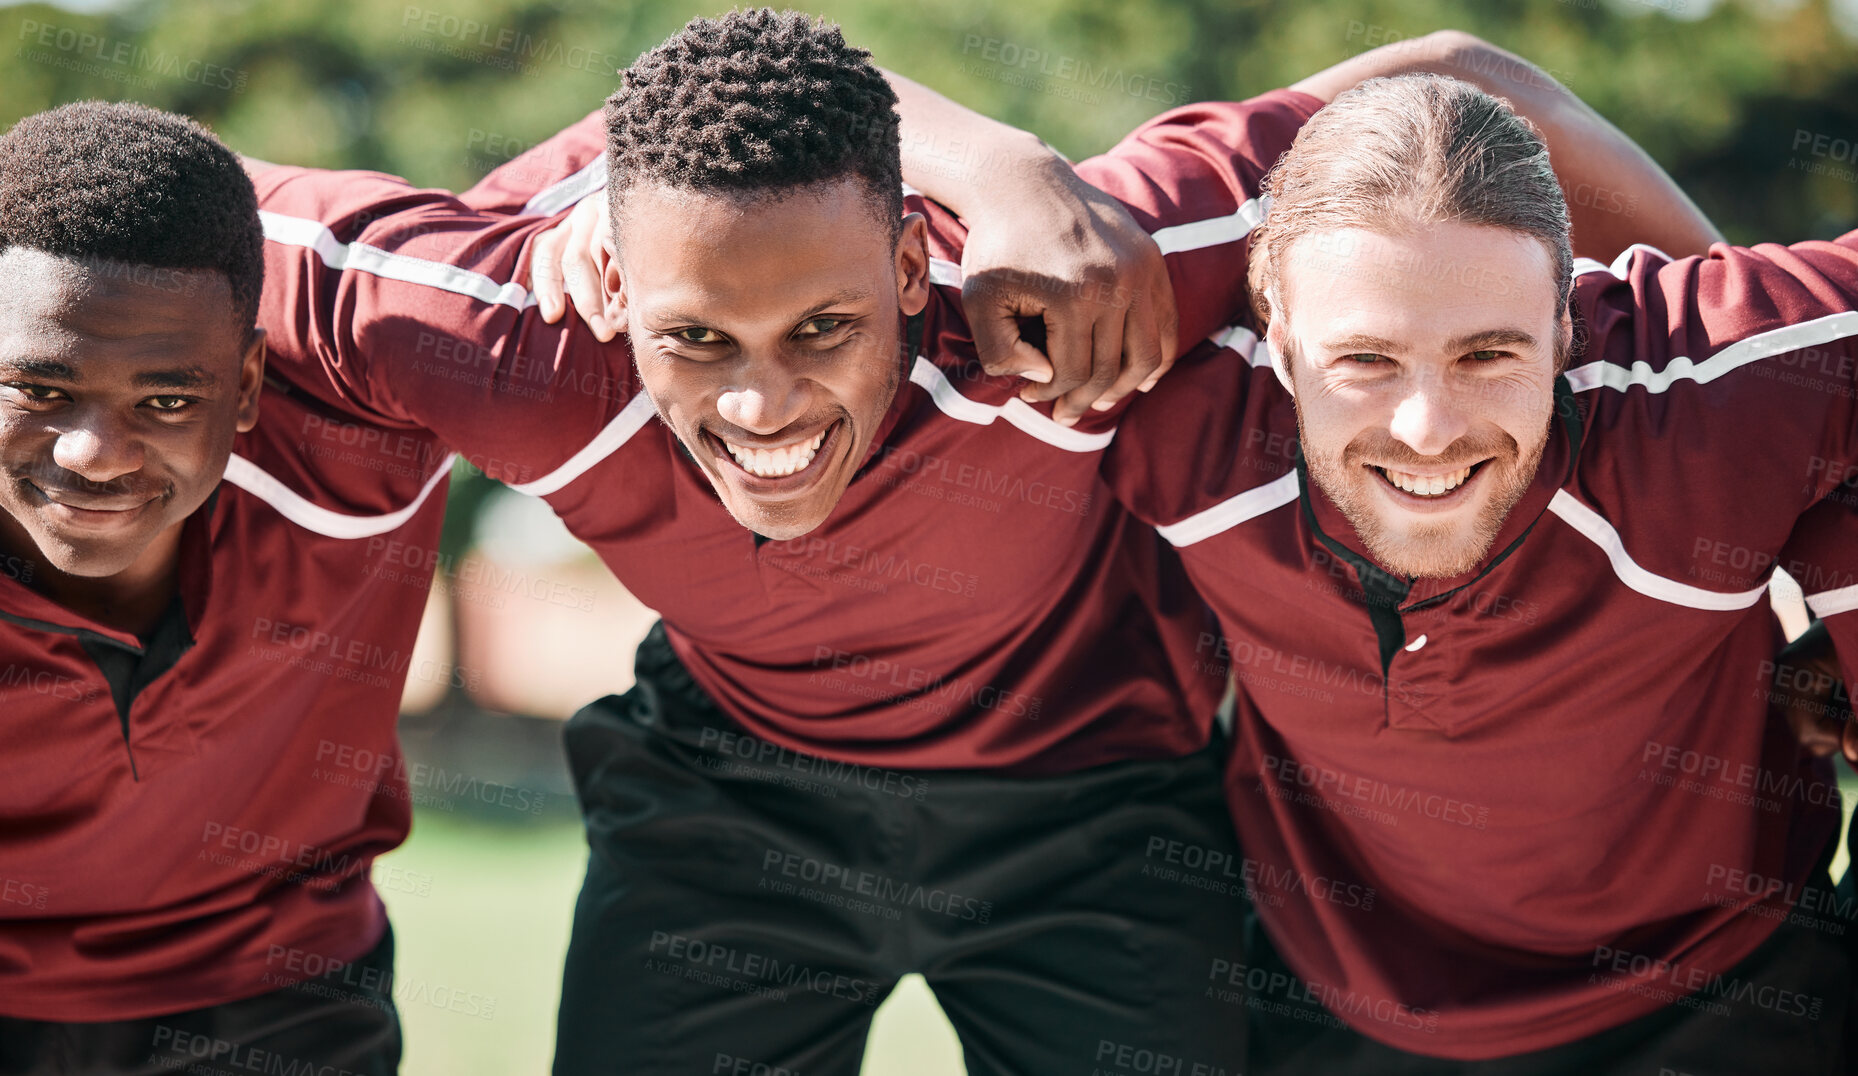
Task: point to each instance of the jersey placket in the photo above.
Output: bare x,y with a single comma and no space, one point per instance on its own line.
126,663
129,664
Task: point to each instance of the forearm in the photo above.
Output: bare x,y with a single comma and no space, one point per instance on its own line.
1617,195
957,156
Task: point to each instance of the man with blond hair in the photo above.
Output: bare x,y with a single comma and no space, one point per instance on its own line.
1504,767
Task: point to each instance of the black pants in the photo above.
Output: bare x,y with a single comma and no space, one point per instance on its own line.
342,1024
1810,954
747,908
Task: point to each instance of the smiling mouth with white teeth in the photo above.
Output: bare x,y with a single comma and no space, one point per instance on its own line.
1436,485
777,462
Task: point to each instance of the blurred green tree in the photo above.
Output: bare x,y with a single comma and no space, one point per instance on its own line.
1751,104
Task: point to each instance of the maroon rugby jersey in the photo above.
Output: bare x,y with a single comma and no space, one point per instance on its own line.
1823,549
192,820
975,600
1501,812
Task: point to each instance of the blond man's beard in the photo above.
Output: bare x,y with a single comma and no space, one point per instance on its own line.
1423,549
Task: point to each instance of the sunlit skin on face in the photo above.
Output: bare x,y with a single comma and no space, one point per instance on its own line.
770,324
119,402
1414,357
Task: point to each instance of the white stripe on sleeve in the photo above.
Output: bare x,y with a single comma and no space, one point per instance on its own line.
553,199
1233,511
303,232
630,420
1214,231
1831,602
1016,412
311,516
1601,533
1821,330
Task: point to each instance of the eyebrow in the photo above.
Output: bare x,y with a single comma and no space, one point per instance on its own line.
846,297
1489,339
1482,340
843,298
184,377
46,369
1361,342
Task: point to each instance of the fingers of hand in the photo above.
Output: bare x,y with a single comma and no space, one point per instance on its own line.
584,266
1068,350
1141,356
545,271
993,317
1106,363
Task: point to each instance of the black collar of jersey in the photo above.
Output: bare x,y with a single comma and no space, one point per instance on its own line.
126,668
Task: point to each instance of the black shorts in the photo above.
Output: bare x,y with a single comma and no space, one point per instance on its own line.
1809,955
342,1024
746,908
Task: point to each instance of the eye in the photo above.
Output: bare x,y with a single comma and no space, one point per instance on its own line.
696,335
1487,356
36,393
818,326
1363,359
170,403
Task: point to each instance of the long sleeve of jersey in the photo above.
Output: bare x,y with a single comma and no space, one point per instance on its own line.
1192,177
1822,554
406,305
550,176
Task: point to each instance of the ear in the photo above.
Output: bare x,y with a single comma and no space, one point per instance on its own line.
1276,339
1274,332
1564,338
913,265
251,381
613,285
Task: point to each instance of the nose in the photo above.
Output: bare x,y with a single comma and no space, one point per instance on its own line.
765,400
1428,418
97,450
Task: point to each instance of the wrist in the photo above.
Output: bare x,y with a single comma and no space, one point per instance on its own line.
991,175
1012,181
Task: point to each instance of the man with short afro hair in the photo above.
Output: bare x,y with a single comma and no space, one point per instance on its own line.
182,593
889,723
122,182
756,101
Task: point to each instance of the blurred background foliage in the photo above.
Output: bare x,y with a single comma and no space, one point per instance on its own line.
440,91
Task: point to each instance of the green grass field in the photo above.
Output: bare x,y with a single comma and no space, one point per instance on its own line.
479,955
493,923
